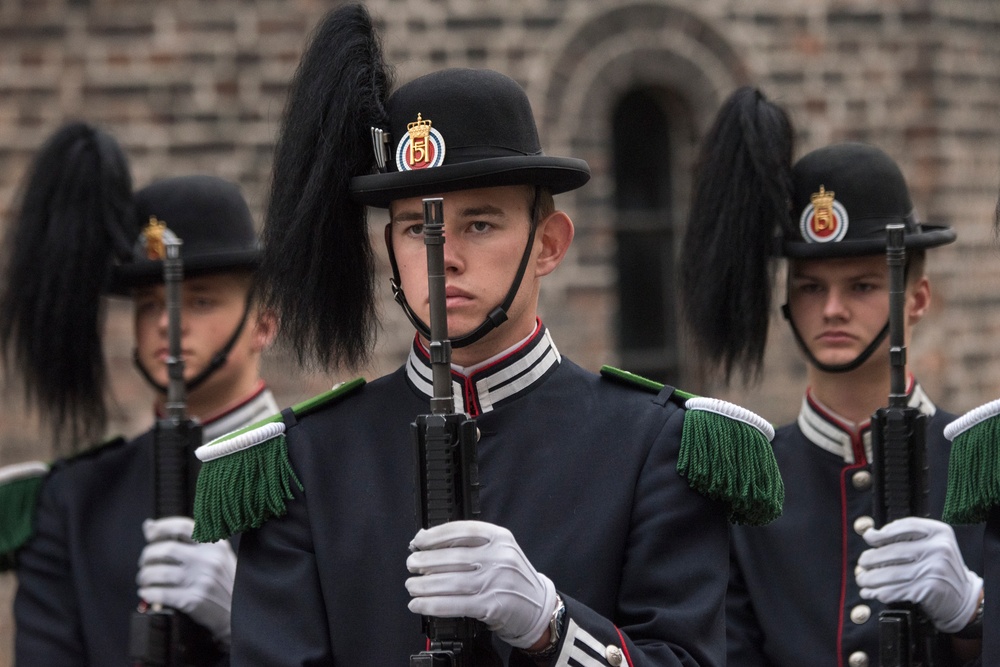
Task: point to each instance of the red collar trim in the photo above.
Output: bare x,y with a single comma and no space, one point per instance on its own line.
911,383
232,407
854,430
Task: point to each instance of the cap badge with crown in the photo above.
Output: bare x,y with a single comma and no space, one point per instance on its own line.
421,148
825,219
153,238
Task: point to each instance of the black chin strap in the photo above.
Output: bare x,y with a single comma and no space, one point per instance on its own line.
835,368
218,359
496,317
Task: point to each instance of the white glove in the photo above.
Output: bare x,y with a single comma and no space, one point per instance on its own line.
476,570
196,579
917,560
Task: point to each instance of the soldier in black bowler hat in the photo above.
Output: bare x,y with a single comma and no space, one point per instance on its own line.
90,553
596,544
808,588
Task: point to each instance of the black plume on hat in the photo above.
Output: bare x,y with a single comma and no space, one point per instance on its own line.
741,194
482,123
867,192
317,271
73,222
207,213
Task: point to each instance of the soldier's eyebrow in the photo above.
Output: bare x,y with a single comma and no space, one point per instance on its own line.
201,286
806,274
407,216
868,275
485,209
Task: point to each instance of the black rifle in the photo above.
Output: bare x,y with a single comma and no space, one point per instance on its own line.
160,636
907,637
447,474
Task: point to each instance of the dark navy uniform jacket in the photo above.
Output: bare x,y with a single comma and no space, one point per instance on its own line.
792,599
76,578
991,584
580,469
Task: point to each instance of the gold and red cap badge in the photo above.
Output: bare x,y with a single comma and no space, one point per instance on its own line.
825,219
422,147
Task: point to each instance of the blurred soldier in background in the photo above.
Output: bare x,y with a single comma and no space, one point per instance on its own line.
84,542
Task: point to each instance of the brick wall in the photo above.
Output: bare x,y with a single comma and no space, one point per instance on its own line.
199,87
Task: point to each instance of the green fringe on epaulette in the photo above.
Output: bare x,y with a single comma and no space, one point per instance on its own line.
722,457
974,467
243,489
17,517
731,461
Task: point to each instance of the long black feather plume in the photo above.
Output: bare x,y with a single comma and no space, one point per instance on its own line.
72,222
317,272
741,201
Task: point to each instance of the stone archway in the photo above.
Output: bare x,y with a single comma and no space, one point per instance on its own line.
638,44
665,52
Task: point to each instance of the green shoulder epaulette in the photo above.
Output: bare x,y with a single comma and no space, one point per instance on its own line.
19,487
974,465
246,477
725,452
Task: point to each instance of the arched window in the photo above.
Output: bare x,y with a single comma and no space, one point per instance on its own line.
645,233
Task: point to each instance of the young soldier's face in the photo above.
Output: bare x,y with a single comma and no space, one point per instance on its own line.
486,231
211,308
840,305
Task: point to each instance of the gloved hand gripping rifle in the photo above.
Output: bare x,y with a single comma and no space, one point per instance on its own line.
907,637
447,474
160,636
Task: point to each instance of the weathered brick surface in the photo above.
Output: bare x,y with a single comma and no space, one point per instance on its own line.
192,86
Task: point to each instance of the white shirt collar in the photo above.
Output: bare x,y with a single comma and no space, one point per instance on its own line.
501,378
258,406
826,429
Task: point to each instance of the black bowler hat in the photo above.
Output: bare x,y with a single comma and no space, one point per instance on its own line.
210,217
843,196
458,129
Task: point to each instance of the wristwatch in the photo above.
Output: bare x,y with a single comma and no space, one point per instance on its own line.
555,632
974,630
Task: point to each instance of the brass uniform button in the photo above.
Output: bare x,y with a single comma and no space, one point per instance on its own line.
862,480
861,614
858,659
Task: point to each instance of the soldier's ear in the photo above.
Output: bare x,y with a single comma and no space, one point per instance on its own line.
555,233
264,331
918,300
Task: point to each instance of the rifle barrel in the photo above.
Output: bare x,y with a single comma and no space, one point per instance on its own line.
895,251
173,277
439,346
